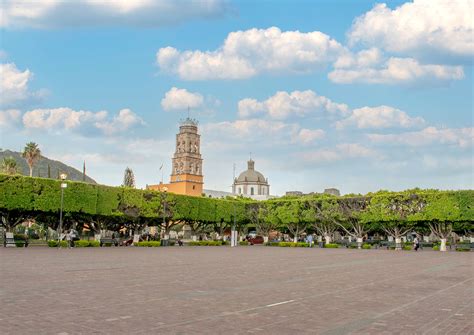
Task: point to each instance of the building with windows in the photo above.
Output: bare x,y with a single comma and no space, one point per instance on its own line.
186,175
251,183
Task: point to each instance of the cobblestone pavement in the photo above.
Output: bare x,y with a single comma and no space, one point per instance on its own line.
217,290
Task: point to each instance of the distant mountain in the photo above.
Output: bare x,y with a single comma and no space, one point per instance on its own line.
40,169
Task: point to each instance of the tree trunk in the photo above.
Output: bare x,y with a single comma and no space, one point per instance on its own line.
31,170
295,239
442,247
265,239
327,238
398,243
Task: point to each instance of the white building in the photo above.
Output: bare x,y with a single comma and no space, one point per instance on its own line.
251,183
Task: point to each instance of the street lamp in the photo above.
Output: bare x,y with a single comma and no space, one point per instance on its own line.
63,177
163,196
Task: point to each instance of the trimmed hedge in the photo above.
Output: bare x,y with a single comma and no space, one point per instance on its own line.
86,244
244,243
293,244
206,243
331,245
54,244
148,244
366,246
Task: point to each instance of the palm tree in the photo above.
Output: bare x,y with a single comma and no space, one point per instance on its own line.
32,154
9,166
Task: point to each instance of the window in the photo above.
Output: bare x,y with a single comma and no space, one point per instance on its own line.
251,191
240,190
194,187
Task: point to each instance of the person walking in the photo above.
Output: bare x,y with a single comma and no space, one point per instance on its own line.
309,238
69,239
416,244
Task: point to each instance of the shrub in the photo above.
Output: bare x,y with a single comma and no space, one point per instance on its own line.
436,248
54,244
94,244
331,245
205,243
407,247
81,244
366,246
272,244
293,244
244,243
19,237
147,244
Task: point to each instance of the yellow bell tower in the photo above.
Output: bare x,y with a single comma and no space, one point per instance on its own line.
186,174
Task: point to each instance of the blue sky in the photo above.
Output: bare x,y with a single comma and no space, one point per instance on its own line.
356,95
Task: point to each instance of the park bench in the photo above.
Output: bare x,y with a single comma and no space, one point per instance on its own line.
9,240
465,246
108,241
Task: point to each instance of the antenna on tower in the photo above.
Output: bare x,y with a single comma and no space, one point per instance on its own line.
250,155
188,111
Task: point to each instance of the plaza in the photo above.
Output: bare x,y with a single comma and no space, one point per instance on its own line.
248,289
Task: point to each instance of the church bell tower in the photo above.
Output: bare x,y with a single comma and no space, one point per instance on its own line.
186,175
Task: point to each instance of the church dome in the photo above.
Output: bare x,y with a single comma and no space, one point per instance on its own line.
251,175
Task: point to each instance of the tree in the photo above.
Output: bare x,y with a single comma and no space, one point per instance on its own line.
326,215
261,215
352,223
128,178
32,154
9,166
394,214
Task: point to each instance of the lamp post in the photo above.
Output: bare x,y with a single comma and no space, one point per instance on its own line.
163,195
63,177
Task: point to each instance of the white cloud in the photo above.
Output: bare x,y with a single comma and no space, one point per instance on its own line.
440,26
14,85
461,137
340,152
125,119
247,53
307,136
177,99
395,70
58,119
9,117
283,105
380,117
60,13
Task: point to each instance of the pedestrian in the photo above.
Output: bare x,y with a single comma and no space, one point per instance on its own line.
309,238
416,244
69,239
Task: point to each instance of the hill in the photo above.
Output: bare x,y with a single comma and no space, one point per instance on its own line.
41,167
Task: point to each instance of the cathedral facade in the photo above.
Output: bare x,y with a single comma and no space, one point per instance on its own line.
186,175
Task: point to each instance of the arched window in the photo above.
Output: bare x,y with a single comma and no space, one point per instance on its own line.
176,168
197,168
251,191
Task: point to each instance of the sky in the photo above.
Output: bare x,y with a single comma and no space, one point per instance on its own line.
357,95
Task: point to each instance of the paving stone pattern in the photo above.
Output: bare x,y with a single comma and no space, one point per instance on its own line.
245,290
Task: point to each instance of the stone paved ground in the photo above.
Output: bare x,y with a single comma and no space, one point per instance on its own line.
217,290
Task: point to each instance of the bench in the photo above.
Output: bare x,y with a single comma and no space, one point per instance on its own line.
9,241
108,240
464,247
